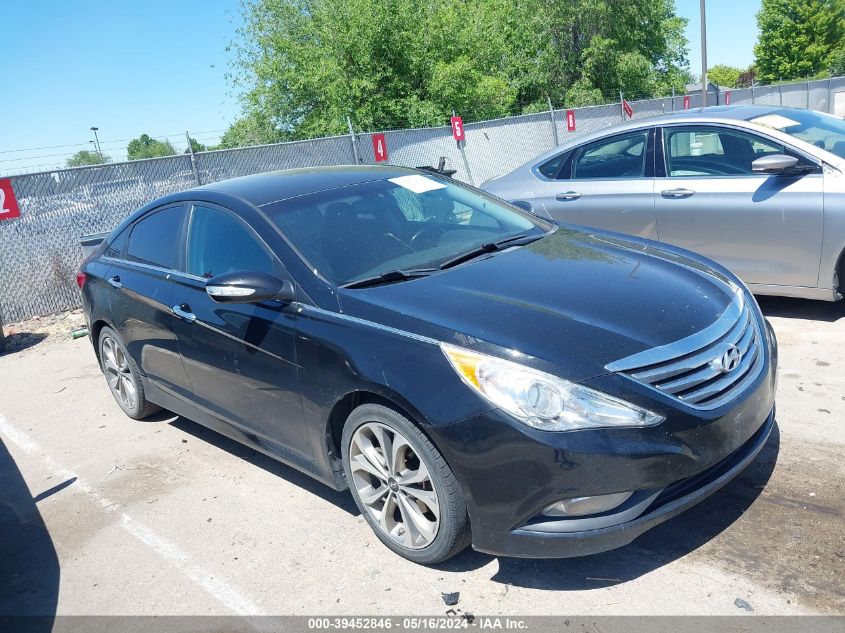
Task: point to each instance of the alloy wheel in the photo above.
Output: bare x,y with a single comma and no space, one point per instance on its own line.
118,373
394,485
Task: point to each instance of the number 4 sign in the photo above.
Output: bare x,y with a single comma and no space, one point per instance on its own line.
379,148
8,205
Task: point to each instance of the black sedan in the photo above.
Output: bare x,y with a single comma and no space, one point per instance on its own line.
474,374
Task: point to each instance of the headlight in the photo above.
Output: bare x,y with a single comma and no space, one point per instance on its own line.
541,400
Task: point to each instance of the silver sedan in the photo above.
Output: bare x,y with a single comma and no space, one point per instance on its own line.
760,189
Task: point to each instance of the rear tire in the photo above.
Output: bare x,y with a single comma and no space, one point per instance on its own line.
411,498
123,377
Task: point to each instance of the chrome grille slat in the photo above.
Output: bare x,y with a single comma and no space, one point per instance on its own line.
664,371
722,384
690,370
708,372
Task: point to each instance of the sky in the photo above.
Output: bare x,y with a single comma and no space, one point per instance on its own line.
731,31
159,67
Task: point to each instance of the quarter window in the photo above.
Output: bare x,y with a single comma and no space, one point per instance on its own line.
116,246
618,157
709,151
155,238
551,168
218,243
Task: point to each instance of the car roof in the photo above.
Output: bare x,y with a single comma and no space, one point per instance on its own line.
261,189
710,114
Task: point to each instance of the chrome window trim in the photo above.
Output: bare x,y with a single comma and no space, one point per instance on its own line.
129,262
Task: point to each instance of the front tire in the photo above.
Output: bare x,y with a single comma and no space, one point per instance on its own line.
123,377
402,485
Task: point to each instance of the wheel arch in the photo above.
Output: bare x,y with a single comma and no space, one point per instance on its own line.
346,404
97,327
839,274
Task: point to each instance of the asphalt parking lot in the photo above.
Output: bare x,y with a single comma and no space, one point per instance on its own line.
103,515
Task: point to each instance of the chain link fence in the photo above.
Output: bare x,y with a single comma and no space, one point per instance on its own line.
40,250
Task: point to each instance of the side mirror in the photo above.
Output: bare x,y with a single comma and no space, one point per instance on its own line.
774,164
243,286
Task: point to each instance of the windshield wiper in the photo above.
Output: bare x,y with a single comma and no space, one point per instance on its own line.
491,247
389,277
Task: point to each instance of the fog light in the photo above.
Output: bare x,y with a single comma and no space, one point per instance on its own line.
582,506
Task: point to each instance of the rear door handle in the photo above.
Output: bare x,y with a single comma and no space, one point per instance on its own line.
184,313
569,195
114,282
677,193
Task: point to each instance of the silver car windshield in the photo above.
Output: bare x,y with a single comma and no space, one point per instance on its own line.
817,128
403,224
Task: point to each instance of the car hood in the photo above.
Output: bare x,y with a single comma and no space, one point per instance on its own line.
570,303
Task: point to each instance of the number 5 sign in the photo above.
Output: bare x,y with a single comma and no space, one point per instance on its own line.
8,205
458,128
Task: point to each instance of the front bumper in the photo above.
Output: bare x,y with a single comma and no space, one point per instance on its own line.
671,502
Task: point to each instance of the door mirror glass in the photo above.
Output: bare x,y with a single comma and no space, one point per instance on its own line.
243,286
774,164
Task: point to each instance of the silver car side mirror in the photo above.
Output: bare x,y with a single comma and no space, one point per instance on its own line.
774,164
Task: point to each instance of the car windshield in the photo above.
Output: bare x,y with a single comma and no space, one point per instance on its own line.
411,223
822,130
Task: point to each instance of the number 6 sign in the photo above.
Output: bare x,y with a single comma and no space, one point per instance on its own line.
8,205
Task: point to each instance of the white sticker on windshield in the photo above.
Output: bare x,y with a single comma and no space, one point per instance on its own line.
417,183
775,121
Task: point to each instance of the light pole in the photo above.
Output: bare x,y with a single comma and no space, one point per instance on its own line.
703,56
97,140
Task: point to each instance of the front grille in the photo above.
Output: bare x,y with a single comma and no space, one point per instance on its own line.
691,370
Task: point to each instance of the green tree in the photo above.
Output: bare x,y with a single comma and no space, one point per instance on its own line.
87,157
303,66
747,77
196,146
147,147
798,38
724,75
837,63
251,130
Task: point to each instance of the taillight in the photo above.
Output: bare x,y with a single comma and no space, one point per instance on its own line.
80,279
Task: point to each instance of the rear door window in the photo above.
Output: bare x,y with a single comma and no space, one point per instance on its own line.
617,157
156,238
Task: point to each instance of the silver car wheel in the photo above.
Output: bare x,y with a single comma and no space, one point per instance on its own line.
394,485
118,373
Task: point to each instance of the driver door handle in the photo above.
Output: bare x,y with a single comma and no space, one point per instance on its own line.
569,195
114,282
183,312
677,193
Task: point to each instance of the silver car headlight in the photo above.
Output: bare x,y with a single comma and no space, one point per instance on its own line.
541,400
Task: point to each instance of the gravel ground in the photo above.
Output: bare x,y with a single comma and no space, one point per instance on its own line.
103,515
48,330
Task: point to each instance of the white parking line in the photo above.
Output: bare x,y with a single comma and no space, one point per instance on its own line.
222,591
